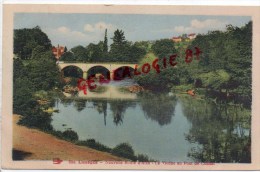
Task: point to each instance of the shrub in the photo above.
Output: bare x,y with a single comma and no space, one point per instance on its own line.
92,143
70,135
56,133
37,119
124,150
142,158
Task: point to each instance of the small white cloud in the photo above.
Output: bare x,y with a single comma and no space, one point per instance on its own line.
88,28
209,23
98,26
63,30
200,26
67,32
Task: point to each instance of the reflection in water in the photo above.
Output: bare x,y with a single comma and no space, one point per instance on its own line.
101,107
223,131
79,104
118,108
164,127
158,107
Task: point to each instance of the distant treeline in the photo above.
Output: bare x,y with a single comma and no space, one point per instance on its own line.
120,50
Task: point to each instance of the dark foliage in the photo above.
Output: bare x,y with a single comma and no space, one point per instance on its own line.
70,135
124,150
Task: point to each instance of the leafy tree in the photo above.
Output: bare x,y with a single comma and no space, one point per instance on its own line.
68,56
80,53
37,51
95,52
25,40
146,45
43,73
159,82
19,69
136,53
36,118
23,100
163,48
229,51
216,79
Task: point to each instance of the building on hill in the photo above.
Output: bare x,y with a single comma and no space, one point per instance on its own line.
177,39
192,36
184,38
58,51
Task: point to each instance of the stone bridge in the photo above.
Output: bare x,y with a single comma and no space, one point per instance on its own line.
85,67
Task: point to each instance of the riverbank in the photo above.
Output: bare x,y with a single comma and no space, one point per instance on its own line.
32,144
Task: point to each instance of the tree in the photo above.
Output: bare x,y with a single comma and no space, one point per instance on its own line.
25,40
216,79
95,52
37,51
119,38
163,48
135,53
19,70
105,47
146,45
231,51
119,47
159,82
43,73
68,56
23,101
65,49
80,53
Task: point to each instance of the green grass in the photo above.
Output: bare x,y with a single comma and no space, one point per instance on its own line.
99,89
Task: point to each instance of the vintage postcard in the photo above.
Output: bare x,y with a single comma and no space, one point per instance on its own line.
130,87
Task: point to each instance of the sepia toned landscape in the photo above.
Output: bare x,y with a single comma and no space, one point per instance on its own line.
146,88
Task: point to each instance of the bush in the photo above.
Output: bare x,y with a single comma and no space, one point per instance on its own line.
94,144
70,135
142,158
37,119
124,150
56,133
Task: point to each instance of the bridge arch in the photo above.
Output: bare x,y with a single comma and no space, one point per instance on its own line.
72,71
98,69
122,72
85,67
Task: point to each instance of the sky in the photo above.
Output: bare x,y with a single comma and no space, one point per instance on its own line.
71,30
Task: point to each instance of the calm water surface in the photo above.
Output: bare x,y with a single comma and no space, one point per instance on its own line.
159,125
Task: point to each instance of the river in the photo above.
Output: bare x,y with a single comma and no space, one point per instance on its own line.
166,127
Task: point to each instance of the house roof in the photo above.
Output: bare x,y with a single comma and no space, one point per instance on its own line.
192,34
176,37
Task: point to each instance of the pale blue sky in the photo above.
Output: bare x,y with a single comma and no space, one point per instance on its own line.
81,29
